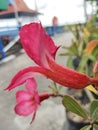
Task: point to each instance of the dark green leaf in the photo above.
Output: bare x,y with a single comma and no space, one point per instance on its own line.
73,106
94,110
87,127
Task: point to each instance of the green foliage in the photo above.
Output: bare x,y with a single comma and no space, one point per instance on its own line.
94,110
78,45
73,106
88,127
95,127
83,34
95,51
86,64
70,62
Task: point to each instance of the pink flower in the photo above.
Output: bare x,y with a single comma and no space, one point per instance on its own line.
29,100
41,49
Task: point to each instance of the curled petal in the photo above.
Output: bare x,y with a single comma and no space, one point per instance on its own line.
31,85
37,43
62,75
31,88
25,108
27,95
22,96
23,75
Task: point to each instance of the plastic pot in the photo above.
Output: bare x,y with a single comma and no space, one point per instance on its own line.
74,125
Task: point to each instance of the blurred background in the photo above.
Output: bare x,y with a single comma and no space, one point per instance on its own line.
66,11
15,13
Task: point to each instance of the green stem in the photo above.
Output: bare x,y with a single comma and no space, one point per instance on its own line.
89,94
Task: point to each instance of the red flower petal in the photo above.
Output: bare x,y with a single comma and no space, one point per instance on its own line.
23,75
37,43
25,108
31,85
23,96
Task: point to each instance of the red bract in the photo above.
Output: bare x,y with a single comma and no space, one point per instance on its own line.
41,49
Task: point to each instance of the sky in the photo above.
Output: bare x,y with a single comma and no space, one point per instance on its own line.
67,11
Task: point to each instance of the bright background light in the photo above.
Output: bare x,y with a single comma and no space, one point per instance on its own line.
67,11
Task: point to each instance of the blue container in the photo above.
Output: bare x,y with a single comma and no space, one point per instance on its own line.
2,53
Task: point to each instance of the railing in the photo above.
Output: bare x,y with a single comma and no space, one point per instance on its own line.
10,32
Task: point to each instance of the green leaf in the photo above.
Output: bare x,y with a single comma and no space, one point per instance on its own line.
95,51
87,127
82,64
95,127
81,48
73,106
94,110
70,62
74,49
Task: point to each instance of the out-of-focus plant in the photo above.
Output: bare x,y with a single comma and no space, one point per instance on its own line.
77,51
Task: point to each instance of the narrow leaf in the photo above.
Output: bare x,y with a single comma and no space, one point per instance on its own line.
87,127
82,63
94,110
73,106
